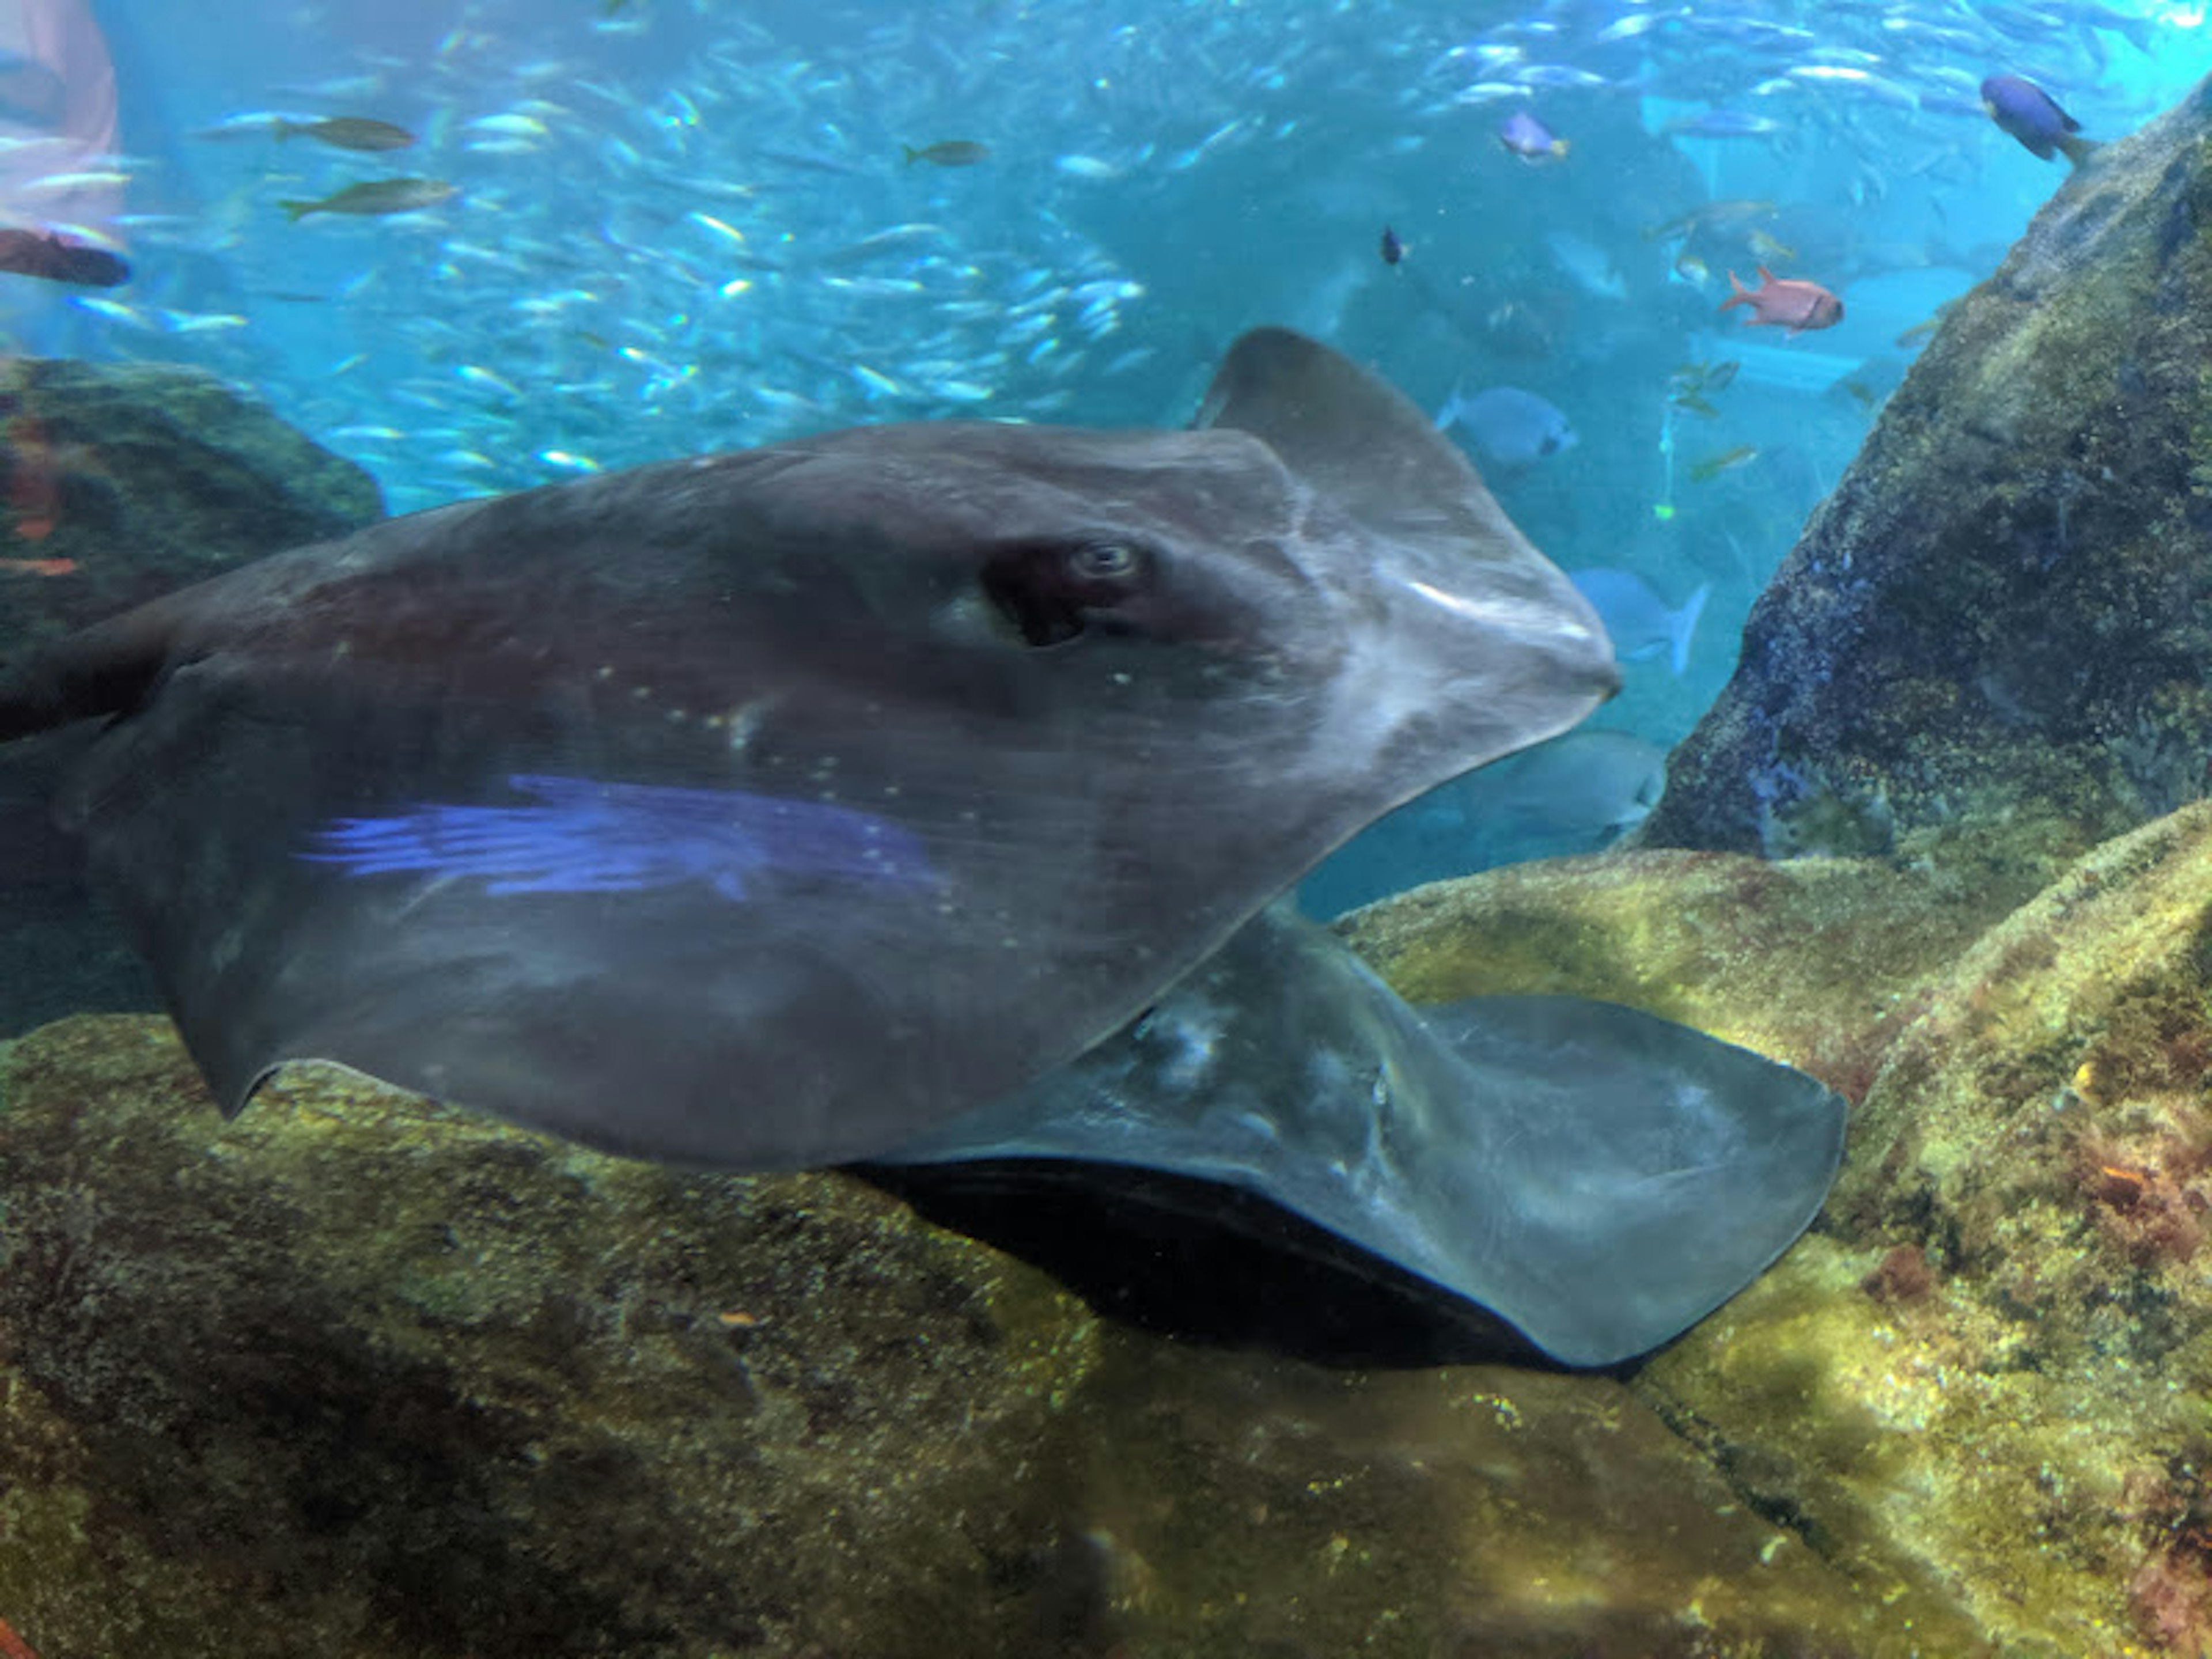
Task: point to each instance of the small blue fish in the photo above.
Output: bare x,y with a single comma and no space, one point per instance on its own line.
2032,116
1637,619
1508,428
1526,136
1571,794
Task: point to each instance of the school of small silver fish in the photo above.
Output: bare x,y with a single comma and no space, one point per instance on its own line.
627,232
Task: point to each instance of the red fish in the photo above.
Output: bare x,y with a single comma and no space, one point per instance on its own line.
1786,302
33,491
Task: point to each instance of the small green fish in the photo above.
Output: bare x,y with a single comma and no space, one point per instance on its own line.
1695,404
376,195
1711,216
1768,249
948,153
346,132
1726,461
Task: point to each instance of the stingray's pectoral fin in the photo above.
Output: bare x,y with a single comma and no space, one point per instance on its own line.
1639,1173
101,671
1598,1177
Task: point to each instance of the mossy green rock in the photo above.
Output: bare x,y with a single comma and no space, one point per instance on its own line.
356,1376
1991,1374
1984,1383
146,477
1998,623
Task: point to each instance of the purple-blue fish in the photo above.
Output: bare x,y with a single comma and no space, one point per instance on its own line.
2032,116
1529,138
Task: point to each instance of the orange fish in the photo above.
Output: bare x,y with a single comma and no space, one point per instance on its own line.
1786,302
37,567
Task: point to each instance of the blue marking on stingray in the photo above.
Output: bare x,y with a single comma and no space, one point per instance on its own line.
591,837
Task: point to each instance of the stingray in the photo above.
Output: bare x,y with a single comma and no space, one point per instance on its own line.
765,809
875,796
1597,1176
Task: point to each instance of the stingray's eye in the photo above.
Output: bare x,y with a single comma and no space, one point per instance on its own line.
1103,561
1052,590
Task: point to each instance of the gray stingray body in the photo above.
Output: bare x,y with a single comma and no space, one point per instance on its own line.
1598,1176
778,808
762,810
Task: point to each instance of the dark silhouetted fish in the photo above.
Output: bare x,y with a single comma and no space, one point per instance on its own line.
27,253
346,132
948,153
375,196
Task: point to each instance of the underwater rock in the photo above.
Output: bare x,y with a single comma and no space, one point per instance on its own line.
2018,1413
143,477
1995,627
1812,962
353,1374
1981,1386
120,482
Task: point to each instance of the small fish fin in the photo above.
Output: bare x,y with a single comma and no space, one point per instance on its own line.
1764,275
911,153
1559,148
295,211
2077,150
1682,625
280,129
1738,294
1449,412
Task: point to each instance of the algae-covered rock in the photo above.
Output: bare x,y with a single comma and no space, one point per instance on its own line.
142,477
1994,1373
1815,961
356,1376
1997,626
352,1376
120,482
1984,1383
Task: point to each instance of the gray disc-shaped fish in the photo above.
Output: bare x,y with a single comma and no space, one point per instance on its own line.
767,809
1598,1176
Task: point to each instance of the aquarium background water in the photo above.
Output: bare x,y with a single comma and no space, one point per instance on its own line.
676,227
